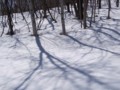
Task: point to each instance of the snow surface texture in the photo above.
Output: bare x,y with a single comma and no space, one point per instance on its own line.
83,60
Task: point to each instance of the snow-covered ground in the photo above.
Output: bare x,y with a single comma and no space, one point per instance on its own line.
83,60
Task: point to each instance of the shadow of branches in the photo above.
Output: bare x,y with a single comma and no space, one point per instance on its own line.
91,46
66,68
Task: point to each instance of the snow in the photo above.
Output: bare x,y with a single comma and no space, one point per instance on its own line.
85,59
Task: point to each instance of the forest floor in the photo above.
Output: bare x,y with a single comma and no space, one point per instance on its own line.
85,59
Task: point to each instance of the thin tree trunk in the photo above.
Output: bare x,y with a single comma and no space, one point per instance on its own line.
117,3
109,8
85,14
9,13
31,7
62,17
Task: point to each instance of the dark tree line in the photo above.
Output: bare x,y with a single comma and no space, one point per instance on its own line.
8,8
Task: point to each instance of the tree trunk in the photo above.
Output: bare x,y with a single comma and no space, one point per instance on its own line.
9,13
31,7
117,3
62,17
85,14
109,8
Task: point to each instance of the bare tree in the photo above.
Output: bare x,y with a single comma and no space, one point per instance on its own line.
109,8
117,3
62,17
31,7
8,7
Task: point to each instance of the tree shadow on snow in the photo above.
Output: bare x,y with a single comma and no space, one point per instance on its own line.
66,68
112,31
92,46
